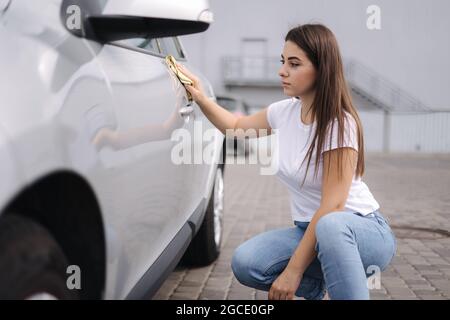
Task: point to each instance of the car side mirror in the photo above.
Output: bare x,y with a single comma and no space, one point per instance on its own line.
110,20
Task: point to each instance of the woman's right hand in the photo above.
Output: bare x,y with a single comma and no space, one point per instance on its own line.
196,89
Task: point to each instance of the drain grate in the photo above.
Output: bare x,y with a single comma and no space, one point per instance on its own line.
408,232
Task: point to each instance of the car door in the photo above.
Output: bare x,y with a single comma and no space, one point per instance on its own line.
150,190
206,139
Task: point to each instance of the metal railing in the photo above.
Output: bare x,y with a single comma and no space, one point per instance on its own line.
361,79
243,70
373,86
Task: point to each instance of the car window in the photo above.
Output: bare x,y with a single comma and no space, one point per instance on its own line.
171,45
147,44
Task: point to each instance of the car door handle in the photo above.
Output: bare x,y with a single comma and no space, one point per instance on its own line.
185,111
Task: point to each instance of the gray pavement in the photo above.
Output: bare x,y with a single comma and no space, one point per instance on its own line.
413,191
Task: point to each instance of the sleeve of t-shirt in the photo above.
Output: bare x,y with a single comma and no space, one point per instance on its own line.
275,113
271,119
350,135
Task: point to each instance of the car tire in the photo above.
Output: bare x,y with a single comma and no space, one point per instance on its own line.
32,265
205,247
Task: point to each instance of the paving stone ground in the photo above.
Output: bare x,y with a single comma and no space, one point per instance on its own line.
413,191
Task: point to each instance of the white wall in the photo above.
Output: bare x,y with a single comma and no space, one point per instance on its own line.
373,129
420,132
412,49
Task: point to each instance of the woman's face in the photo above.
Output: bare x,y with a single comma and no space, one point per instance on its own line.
296,70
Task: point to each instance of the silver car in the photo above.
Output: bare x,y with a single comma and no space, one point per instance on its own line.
93,205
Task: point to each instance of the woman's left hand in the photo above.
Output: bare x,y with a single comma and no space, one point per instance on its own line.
285,286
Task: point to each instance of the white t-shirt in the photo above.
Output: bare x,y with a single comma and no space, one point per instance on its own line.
293,141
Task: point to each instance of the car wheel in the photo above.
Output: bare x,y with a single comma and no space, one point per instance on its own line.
205,247
32,265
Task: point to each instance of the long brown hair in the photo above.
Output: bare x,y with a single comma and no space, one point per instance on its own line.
332,97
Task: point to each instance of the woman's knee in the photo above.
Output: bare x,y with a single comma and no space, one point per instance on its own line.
247,268
257,260
239,262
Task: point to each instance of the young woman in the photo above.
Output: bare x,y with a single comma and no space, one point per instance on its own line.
340,237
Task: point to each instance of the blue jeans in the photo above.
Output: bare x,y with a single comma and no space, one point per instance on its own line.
349,246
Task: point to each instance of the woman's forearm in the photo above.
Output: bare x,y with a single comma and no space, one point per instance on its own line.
220,117
305,253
